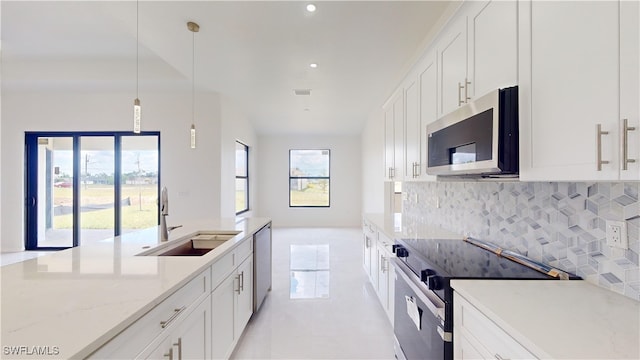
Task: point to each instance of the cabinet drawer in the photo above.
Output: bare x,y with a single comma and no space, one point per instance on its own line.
223,267
136,337
243,250
479,329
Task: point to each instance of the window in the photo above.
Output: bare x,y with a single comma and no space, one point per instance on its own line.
309,178
84,187
242,177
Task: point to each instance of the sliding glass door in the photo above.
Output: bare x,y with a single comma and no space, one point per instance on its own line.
85,187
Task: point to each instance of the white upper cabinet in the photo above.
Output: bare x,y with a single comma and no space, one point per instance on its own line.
452,59
394,137
630,88
572,92
389,149
493,46
428,98
412,128
477,52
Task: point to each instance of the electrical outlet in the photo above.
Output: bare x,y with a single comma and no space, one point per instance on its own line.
617,234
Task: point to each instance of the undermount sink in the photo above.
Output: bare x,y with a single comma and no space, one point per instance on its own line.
195,245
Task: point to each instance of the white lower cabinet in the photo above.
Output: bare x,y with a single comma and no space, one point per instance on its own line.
377,264
386,275
195,322
191,338
231,308
222,317
476,336
164,323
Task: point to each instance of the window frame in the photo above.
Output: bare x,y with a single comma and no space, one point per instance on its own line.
246,149
31,189
328,178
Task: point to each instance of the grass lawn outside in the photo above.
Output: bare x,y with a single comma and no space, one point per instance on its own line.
142,211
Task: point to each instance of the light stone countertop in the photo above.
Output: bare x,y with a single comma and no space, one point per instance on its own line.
559,319
74,301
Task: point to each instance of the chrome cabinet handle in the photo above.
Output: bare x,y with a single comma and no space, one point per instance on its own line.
169,354
238,289
625,144
179,345
460,87
176,312
599,160
242,281
417,169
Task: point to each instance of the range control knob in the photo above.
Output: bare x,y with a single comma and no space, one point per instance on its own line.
424,274
434,282
402,252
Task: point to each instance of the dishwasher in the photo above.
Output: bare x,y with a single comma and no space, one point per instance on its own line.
262,265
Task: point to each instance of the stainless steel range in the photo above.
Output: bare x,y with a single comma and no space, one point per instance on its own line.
423,323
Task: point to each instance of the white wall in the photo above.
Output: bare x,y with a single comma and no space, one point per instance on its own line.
345,186
236,126
193,176
373,164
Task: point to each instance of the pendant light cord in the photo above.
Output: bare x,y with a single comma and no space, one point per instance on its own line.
193,79
137,48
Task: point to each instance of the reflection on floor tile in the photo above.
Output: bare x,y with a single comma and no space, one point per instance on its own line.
309,284
309,266
349,325
309,257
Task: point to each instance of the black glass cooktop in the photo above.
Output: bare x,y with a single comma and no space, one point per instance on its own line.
458,259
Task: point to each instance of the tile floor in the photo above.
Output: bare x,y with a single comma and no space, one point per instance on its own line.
19,256
348,324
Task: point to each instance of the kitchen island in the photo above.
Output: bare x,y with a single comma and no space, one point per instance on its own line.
71,303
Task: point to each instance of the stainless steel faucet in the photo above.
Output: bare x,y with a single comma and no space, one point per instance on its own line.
164,211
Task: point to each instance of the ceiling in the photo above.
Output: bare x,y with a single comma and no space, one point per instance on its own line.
255,53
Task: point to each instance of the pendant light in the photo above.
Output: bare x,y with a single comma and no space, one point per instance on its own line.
194,28
136,103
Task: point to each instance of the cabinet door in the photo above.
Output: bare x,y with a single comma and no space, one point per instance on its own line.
452,59
412,129
493,46
398,139
244,297
389,148
223,300
569,83
629,85
366,252
383,278
428,81
193,339
163,350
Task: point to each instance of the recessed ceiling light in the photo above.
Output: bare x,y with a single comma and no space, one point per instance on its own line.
311,7
313,65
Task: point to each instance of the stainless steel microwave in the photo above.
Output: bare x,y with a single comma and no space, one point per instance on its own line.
479,139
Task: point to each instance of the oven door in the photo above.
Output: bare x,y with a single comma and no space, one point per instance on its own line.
418,319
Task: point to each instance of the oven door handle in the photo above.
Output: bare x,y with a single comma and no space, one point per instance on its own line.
433,303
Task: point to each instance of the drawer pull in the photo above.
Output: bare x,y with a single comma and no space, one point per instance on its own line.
169,354
238,289
176,312
242,281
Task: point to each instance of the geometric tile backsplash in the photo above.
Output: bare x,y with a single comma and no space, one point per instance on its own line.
559,223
